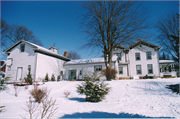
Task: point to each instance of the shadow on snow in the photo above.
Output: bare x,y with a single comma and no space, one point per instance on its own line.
106,115
78,99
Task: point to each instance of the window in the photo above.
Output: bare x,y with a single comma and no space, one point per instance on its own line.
98,68
138,56
80,73
119,56
138,68
148,55
150,69
22,47
120,70
61,73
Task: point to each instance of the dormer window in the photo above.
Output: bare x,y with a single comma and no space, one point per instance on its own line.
22,47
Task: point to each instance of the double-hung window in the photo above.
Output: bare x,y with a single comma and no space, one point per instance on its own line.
138,69
148,55
119,56
138,56
150,68
120,70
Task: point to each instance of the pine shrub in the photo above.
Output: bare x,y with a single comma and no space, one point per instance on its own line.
94,89
58,78
109,73
29,79
46,78
52,77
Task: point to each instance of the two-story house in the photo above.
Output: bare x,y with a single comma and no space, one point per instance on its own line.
140,58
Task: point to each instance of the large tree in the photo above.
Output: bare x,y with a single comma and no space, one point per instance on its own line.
109,23
13,33
168,27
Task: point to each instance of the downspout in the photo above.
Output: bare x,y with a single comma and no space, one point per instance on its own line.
35,66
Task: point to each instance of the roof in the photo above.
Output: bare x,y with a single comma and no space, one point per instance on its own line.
90,61
38,49
166,61
156,47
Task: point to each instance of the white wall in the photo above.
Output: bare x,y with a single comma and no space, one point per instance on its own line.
21,59
87,68
47,64
143,62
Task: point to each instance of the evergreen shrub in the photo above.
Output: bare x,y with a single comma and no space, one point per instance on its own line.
94,89
46,78
52,77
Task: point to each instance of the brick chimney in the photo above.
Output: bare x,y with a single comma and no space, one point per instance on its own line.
138,39
65,53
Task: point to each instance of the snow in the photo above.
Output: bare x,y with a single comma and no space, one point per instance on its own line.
127,98
166,61
92,60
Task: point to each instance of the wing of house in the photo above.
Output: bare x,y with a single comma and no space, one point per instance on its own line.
76,69
24,54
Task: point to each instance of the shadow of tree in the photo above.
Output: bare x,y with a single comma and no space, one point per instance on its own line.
78,99
106,115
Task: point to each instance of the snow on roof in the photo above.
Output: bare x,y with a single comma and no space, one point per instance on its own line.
38,48
91,60
166,61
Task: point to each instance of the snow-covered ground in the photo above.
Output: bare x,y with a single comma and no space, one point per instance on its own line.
127,98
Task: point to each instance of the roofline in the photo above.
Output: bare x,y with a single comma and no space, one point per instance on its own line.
12,46
131,46
52,54
86,63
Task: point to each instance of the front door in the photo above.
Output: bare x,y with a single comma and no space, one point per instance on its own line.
72,74
19,74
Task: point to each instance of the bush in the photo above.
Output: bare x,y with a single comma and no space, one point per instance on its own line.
94,90
109,73
46,78
58,78
29,79
39,94
67,93
52,77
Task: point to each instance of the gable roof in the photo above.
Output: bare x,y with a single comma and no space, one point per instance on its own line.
156,47
90,61
38,49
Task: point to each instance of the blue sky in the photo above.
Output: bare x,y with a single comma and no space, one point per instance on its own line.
57,21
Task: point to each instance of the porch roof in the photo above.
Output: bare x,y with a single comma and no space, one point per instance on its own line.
165,61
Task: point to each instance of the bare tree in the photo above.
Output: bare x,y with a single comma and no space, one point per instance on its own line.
73,55
13,33
109,23
168,27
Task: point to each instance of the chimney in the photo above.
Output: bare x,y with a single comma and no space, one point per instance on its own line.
65,53
138,39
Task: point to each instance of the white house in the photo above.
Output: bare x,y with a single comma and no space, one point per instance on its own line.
139,59
24,54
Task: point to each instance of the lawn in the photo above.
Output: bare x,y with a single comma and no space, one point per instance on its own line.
127,98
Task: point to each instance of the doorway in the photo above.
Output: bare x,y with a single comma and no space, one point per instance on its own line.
72,74
19,74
